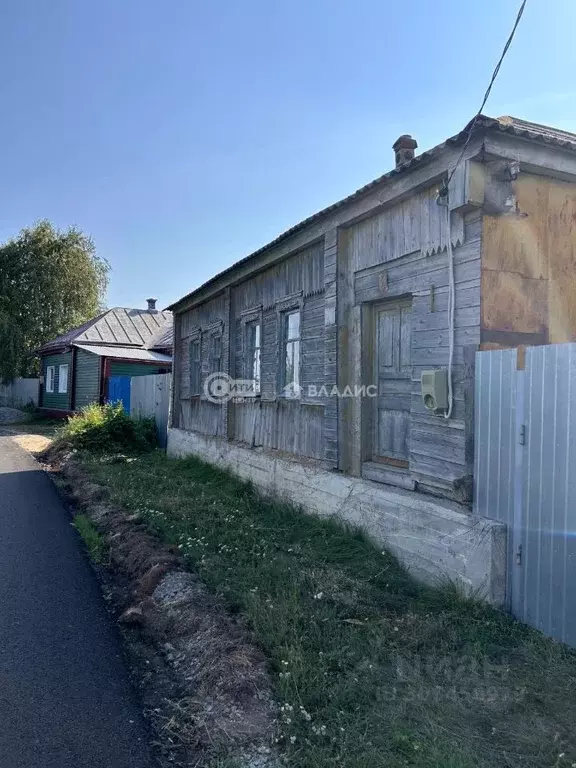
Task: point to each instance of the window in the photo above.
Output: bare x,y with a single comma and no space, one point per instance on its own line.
215,353
252,359
50,370
292,353
62,379
194,352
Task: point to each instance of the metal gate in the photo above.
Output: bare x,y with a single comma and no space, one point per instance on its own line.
119,391
525,476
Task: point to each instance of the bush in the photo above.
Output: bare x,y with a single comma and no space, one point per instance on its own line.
106,428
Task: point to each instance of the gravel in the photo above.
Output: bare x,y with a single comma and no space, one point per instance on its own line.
13,416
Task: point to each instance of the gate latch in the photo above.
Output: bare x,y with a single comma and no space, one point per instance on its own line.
519,555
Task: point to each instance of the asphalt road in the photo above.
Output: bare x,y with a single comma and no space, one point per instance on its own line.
65,697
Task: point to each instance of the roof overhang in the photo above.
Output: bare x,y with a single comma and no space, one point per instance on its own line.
481,127
125,353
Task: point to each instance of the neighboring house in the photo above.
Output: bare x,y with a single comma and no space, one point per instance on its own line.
81,366
359,295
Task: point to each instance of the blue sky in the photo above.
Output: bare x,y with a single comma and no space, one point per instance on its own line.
183,135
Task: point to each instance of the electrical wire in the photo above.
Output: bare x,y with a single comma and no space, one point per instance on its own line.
451,284
488,90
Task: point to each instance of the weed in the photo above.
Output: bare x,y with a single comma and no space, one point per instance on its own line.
371,669
107,428
92,539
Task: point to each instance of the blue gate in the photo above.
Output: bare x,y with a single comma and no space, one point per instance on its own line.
119,391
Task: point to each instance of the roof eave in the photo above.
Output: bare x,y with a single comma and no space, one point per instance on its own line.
481,125
417,162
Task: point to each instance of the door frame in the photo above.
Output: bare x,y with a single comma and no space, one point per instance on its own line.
369,415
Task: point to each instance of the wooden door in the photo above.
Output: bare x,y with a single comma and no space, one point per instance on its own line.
394,383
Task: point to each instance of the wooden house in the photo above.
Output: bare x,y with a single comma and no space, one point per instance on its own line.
470,244
80,366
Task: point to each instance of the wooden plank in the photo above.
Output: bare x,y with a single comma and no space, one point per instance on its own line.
389,474
432,338
405,363
436,468
393,427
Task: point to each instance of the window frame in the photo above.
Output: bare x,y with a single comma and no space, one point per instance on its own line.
195,341
250,349
50,379
215,362
62,379
285,340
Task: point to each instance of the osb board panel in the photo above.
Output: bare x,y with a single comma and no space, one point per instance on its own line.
562,278
511,302
520,243
529,262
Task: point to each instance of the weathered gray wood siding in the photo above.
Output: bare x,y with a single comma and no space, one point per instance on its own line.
330,346
402,252
417,224
335,272
272,421
196,412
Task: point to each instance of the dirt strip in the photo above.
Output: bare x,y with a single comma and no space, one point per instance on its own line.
203,680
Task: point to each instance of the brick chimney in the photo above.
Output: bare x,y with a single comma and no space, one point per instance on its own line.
151,305
404,147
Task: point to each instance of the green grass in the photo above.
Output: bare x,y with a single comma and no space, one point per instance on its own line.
92,539
371,670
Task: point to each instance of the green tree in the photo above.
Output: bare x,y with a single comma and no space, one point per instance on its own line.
50,281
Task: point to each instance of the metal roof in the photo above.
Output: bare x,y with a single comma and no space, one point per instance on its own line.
535,131
126,353
163,338
117,326
506,124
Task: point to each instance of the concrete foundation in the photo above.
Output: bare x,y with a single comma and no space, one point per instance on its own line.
435,539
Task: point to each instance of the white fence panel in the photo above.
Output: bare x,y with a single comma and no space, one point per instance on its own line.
19,392
150,397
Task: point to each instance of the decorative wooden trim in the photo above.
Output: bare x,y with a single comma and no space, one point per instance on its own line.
247,314
193,334
293,301
216,327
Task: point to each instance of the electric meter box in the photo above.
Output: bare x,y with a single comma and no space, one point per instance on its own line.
434,385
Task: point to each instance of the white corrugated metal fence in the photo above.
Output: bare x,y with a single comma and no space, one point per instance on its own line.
525,476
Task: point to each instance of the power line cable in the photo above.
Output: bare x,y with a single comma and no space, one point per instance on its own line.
491,83
444,195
